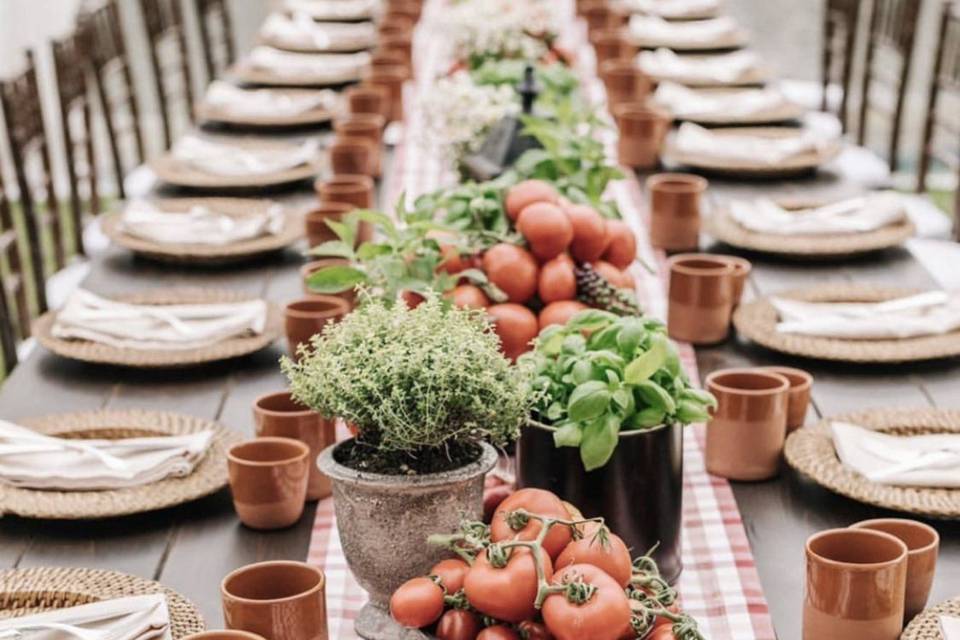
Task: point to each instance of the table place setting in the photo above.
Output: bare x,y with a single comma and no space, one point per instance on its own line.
674,9
739,68
851,216
335,10
133,618
725,106
198,225
228,103
300,32
652,32
266,65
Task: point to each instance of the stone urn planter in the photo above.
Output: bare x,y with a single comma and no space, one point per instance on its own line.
384,522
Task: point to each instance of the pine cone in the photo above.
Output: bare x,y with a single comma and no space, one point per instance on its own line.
595,291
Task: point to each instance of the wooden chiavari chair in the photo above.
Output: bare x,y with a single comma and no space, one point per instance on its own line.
171,64
115,89
893,26
840,20
216,36
14,307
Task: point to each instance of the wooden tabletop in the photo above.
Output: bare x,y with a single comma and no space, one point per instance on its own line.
191,547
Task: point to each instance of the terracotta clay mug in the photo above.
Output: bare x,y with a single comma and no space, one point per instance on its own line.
624,82
676,201
224,634
308,269
279,600
855,580
308,316
400,43
612,44
352,155
642,130
279,415
923,545
391,77
318,231
600,15
369,127
268,479
369,99
350,188
741,273
801,384
746,432
700,298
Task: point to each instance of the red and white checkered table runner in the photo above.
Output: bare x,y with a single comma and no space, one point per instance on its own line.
719,584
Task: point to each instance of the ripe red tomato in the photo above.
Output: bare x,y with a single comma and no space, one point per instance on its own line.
451,573
412,299
547,228
492,497
590,238
530,630
557,280
506,593
418,602
613,557
516,325
622,250
468,296
525,193
611,274
458,624
661,633
541,503
605,616
513,269
559,312
498,632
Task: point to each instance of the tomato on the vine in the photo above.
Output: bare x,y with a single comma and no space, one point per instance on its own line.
605,550
603,614
458,624
530,630
507,593
451,573
418,602
498,632
541,503
663,632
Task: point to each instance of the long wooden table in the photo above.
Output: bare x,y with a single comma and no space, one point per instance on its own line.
191,547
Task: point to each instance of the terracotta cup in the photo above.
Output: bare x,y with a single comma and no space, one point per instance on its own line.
746,432
611,44
352,155
382,57
600,15
801,384
306,270
923,545
400,43
624,82
391,77
404,8
318,231
855,580
369,127
224,634
741,273
279,415
700,298
280,600
675,210
351,189
642,130
308,316
371,99
268,479
395,24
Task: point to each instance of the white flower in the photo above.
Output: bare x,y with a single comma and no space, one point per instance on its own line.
500,28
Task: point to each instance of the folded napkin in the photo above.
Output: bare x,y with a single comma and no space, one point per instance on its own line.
267,102
329,67
692,139
132,618
950,627
721,69
904,461
301,31
690,103
926,314
172,327
855,215
32,460
688,33
335,9
674,9
200,225
231,160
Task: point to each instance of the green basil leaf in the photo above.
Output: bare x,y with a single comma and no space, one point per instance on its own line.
567,435
554,411
582,371
605,338
689,411
632,332
333,249
607,358
704,398
335,279
653,395
574,343
649,417
591,320
612,376
599,441
646,364
550,340
623,399
346,232
588,401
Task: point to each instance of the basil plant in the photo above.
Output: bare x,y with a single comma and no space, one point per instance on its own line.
601,374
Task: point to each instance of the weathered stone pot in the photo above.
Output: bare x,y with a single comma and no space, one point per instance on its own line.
384,522
639,492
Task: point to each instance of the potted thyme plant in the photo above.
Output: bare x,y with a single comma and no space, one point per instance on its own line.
428,392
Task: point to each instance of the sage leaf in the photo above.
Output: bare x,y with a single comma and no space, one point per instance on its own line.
588,401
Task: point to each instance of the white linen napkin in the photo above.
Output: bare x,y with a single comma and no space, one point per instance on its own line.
721,69
674,9
326,67
688,33
268,102
950,627
854,215
300,31
32,460
905,461
925,314
132,618
692,139
690,103
86,316
200,225
232,160
335,9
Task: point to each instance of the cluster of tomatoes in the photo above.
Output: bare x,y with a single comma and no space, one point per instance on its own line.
558,233
540,570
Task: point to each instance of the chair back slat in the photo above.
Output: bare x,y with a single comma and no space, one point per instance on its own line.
841,18
216,36
941,131
14,304
171,64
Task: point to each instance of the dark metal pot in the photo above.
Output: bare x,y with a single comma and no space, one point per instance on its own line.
639,492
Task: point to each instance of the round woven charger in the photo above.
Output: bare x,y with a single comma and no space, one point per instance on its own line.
343,45
757,321
210,113
246,74
209,476
754,78
783,113
149,358
810,451
723,227
292,231
926,625
25,592
797,165
733,40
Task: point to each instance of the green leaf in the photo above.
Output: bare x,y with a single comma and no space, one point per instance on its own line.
623,399
335,279
574,343
599,442
632,332
591,320
703,397
346,232
653,395
582,372
371,250
567,435
554,411
550,340
646,364
690,411
588,401
646,418
333,249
